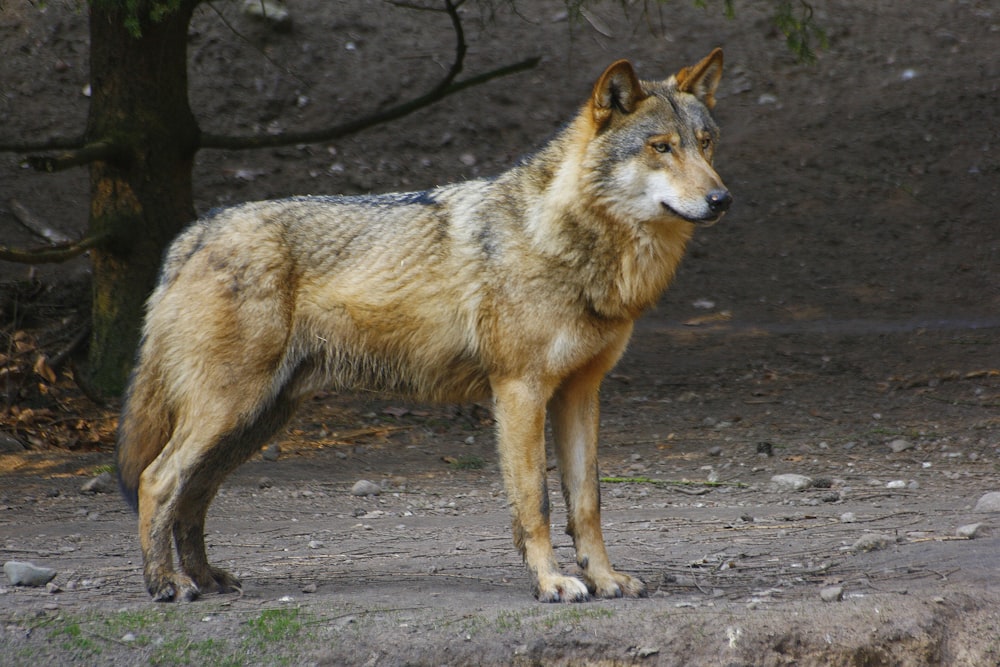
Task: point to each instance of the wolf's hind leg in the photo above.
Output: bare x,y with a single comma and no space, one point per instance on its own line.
176,489
158,504
201,485
189,536
174,495
574,413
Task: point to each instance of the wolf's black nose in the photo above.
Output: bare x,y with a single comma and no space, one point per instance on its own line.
719,201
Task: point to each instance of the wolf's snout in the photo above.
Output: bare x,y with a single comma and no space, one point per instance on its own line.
719,201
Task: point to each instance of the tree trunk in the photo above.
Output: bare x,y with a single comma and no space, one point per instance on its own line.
142,196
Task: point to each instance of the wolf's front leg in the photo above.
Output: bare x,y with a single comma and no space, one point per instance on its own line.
520,414
574,411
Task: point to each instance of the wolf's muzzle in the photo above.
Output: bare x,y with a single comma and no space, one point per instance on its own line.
719,201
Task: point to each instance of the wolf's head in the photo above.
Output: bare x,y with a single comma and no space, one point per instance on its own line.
650,156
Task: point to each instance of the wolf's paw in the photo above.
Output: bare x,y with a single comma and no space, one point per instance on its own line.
216,579
173,587
612,584
560,588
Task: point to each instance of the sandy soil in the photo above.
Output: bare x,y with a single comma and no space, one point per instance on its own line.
851,300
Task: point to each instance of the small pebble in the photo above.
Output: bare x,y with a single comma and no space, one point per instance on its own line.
832,594
271,452
715,451
103,483
872,542
899,445
309,588
364,487
972,530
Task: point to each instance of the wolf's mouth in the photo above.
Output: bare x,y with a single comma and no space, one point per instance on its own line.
702,222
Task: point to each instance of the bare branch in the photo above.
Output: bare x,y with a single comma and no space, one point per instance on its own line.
63,355
499,72
51,254
460,48
261,52
447,86
93,152
424,8
365,122
51,144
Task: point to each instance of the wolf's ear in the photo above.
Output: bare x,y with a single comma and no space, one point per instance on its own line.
619,90
702,79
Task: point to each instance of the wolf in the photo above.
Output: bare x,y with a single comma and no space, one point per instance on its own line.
523,288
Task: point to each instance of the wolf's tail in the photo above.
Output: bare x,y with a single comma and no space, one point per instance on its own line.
143,430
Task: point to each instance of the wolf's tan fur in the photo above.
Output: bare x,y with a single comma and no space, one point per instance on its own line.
524,288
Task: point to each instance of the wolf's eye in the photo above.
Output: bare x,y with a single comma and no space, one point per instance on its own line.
661,147
706,143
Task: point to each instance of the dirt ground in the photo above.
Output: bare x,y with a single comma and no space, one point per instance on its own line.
842,322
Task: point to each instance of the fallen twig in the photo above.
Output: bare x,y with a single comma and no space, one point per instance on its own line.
683,483
36,225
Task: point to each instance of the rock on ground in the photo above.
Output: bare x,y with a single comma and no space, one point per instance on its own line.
989,502
22,573
791,482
